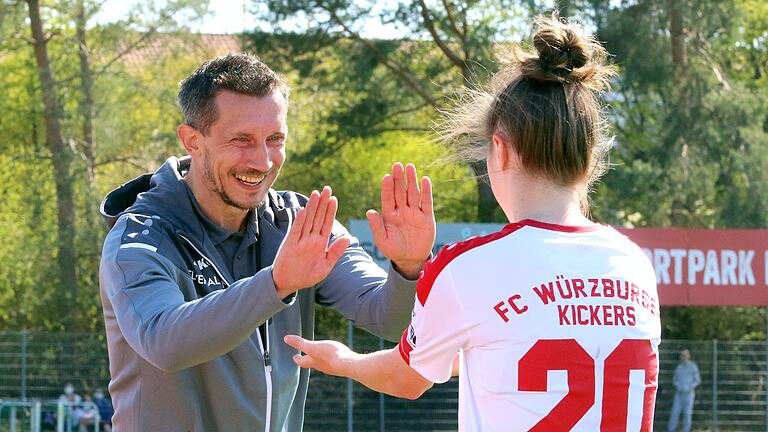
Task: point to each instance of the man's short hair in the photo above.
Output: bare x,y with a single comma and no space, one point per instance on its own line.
236,72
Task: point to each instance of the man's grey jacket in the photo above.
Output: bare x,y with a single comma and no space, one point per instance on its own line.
185,348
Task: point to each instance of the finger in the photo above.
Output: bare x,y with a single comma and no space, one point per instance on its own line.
304,361
377,226
335,250
310,209
387,193
322,206
412,185
294,234
426,195
330,217
397,176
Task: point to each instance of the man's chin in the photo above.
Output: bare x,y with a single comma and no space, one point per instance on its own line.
247,204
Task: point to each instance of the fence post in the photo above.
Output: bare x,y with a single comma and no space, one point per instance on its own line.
60,417
24,336
13,418
350,400
382,425
714,385
37,412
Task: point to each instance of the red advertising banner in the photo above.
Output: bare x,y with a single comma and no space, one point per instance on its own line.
707,267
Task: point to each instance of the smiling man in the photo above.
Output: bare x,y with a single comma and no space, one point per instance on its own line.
206,268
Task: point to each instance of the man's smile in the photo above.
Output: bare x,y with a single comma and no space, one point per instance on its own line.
251,180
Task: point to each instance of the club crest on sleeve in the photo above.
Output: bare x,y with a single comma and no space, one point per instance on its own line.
411,336
141,232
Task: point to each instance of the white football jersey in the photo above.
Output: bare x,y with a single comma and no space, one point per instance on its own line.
557,329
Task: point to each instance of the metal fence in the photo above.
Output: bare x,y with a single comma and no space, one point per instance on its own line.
733,395
37,415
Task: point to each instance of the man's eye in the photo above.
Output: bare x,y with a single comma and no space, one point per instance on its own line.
276,138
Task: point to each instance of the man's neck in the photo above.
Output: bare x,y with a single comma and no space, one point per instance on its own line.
223,215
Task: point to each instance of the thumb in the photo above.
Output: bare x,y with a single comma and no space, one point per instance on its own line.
303,361
336,249
377,226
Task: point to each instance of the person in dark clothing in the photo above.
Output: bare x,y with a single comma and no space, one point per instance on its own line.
206,267
105,410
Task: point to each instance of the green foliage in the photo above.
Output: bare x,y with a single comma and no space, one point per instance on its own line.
691,145
691,140
135,118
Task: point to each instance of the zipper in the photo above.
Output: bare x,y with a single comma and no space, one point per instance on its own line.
263,345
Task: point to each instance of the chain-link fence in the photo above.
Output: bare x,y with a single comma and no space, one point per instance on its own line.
36,365
733,395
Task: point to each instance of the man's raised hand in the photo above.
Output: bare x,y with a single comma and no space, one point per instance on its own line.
404,231
305,258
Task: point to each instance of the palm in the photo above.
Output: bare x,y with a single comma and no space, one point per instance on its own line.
306,246
409,232
404,231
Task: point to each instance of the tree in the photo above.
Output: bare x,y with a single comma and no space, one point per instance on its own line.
55,84
442,45
691,138
62,161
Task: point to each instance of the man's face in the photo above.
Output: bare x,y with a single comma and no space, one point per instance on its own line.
244,149
685,355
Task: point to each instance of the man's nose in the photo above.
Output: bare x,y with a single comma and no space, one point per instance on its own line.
257,158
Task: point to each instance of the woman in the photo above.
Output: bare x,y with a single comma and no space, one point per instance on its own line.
555,318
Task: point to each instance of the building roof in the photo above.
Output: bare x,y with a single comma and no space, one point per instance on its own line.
164,44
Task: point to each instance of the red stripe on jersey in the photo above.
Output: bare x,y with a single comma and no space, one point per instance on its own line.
561,228
449,252
405,347
433,267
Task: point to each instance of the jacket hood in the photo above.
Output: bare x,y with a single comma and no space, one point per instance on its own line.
150,193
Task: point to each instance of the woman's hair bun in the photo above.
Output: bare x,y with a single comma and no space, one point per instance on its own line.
564,52
560,48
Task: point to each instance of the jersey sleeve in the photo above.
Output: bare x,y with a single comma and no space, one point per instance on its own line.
438,328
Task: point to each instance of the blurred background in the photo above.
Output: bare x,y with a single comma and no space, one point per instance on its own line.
89,101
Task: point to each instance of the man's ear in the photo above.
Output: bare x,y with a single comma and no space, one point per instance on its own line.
500,151
190,139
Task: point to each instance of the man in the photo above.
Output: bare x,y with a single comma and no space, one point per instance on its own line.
685,380
206,267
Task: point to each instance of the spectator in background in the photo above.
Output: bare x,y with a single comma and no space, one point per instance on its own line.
685,380
105,410
85,414
69,396
71,401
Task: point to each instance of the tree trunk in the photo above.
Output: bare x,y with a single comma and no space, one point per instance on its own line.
677,35
486,202
86,80
62,161
87,112
563,7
